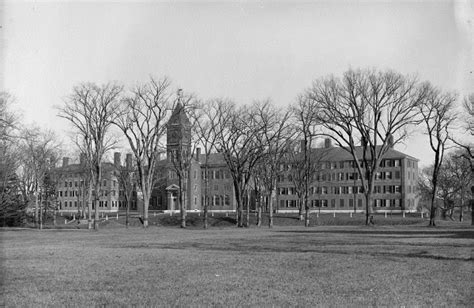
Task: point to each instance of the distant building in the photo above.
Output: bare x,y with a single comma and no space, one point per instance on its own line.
72,187
335,184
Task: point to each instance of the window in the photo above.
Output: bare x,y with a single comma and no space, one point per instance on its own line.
75,203
60,193
324,203
324,190
351,202
388,175
65,193
359,203
340,176
75,183
341,164
216,200
333,202
226,200
397,174
341,203
65,184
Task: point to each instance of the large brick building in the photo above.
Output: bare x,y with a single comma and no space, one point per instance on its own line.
334,186
72,187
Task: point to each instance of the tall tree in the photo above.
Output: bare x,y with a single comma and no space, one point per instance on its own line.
204,119
370,108
438,117
238,142
276,131
142,118
40,153
91,110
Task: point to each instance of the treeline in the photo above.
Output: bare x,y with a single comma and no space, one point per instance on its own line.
364,111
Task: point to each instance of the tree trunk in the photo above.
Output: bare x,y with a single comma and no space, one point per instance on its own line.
461,211
36,210
41,215
89,207
368,209
248,209
97,198
54,215
127,213
306,207
259,211
206,197
300,209
433,210
146,204
270,210
182,208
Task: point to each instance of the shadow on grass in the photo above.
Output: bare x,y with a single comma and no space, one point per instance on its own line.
457,234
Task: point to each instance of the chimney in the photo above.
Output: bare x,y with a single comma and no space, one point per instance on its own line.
390,141
128,161
82,159
117,159
328,143
198,153
65,161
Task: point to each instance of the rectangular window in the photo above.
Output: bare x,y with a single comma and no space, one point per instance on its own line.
388,175
65,193
341,164
333,202
351,202
75,203
341,203
359,203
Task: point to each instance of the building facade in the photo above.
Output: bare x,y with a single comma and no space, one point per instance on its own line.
334,183
72,187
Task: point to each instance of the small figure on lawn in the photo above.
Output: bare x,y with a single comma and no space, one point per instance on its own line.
371,220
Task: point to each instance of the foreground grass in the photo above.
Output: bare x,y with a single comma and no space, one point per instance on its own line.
285,266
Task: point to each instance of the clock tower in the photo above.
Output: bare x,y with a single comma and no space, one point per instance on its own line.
178,130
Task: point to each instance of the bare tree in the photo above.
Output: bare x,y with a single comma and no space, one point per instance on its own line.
142,119
8,118
204,120
91,109
438,116
276,131
40,152
238,142
367,107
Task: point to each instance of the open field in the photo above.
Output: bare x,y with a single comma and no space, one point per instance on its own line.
283,266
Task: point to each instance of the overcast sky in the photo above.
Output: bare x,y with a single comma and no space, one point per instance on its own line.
240,50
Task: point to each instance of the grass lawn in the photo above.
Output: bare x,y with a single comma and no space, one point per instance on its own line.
403,265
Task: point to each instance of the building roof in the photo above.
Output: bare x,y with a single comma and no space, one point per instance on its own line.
338,154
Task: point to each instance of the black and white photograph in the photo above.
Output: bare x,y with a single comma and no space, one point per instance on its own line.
236,153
